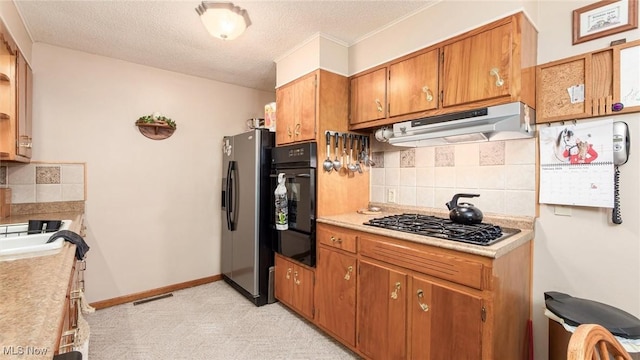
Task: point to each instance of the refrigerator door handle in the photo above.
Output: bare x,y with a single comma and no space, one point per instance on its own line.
233,194
229,196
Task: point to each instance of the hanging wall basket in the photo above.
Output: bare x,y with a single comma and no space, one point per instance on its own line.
156,126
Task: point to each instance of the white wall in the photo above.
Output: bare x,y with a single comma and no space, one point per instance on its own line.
582,254
153,206
317,52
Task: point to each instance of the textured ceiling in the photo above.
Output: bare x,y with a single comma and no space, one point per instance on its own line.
169,35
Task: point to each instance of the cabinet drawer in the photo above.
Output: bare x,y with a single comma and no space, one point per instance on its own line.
336,237
421,259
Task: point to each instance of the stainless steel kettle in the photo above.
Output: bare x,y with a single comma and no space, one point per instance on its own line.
464,213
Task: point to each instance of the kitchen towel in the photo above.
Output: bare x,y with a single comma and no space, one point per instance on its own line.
72,237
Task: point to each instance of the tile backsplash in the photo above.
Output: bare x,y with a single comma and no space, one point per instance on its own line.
502,172
44,182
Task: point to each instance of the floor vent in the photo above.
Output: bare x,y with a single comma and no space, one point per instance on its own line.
152,299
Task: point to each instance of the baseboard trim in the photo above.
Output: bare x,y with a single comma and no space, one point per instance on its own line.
154,292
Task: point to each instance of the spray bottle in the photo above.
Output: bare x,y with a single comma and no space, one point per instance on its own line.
281,202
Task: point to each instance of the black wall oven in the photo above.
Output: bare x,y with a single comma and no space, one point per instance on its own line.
298,163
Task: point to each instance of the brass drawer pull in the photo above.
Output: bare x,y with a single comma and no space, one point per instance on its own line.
423,306
394,293
295,278
336,240
288,274
347,276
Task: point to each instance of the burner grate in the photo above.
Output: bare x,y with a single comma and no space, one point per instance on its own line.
479,234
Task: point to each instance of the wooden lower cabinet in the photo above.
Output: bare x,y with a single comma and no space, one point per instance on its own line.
68,330
294,285
335,295
386,298
444,323
382,307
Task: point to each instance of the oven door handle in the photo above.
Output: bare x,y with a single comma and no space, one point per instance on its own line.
231,177
291,176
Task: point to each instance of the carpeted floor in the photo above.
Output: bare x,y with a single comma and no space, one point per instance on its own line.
211,321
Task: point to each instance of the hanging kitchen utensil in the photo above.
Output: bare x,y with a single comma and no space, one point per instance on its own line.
367,150
328,164
336,162
464,213
357,159
344,169
350,166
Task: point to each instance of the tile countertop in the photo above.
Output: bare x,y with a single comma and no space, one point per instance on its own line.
355,221
32,295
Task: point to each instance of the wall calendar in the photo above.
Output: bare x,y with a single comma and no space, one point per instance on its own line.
576,164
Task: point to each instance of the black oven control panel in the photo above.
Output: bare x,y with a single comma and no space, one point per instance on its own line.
298,156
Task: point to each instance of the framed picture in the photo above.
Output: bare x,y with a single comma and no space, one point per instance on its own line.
604,18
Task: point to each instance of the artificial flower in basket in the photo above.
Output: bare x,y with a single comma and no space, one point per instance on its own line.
156,118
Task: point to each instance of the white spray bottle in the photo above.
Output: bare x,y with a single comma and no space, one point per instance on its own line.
281,202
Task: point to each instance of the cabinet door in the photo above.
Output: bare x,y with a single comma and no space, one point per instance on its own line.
24,91
6,81
369,97
285,105
444,322
413,84
305,126
302,293
478,67
336,294
296,106
381,311
283,279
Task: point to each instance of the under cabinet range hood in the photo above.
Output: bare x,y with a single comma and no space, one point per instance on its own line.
501,122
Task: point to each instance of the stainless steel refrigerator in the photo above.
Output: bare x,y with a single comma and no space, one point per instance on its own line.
247,254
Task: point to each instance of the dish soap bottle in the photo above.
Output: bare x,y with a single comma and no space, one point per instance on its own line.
282,209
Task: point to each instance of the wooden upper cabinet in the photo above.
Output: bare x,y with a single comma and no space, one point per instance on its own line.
24,107
7,81
296,104
15,101
369,97
413,84
491,65
478,67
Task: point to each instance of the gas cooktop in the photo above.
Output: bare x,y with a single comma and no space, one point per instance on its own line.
479,234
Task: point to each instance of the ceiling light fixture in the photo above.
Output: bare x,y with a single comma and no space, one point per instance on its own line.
223,19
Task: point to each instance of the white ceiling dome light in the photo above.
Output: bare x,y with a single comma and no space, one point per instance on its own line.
223,19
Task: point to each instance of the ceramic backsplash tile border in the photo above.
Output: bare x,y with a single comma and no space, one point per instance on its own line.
40,182
48,207
502,172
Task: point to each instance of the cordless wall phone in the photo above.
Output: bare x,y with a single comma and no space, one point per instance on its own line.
621,147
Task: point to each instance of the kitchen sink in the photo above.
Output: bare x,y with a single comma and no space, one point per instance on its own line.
16,243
